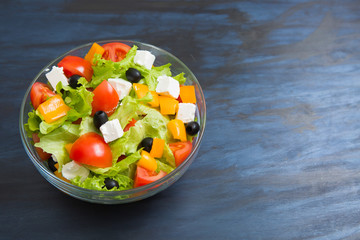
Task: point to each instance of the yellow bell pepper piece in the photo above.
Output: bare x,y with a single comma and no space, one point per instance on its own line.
187,94
168,105
140,89
53,109
157,148
147,161
177,129
95,48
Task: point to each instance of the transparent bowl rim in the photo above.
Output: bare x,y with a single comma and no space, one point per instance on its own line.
45,170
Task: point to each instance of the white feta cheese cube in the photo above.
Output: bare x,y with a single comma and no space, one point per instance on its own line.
168,86
144,58
73,169
55,76
186,112
121,86
111,130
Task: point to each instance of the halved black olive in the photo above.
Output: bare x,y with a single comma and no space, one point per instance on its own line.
146,144
100,117
133,75
192,128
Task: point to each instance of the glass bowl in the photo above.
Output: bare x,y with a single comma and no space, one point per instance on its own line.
135,194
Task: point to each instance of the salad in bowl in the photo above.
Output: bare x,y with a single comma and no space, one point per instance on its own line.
113,121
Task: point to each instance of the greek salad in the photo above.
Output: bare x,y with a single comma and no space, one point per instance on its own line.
112,120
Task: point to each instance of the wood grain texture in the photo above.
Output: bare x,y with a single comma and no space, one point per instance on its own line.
280,156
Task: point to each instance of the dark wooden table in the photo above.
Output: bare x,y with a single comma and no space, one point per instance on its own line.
281,155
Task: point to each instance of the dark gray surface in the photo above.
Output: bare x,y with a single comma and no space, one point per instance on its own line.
280,156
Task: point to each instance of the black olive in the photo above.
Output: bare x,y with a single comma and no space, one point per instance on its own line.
133,75
192,128
51,164
146,144
100,118
110,183
74,81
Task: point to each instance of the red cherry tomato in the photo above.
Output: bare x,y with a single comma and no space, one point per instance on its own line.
115,51
43,155
91,149
39,93
129,125
105,98
73,65
181,151
143,177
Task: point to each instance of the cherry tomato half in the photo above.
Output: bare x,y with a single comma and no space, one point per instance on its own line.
129,125
39,93
91,149
73,65
181,151
105,99
43,155
143,177
115,51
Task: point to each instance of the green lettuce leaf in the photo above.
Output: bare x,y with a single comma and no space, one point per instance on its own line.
55,141
87,125
180,78
36,124
128,143
154,124
46,128
129,109
168,156
79,99
33,124
126,111
163,167
36,118
150,79
122,171
96,182
124,167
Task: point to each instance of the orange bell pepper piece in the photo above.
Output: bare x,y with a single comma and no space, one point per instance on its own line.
168,105
155,101
53,109
95,48
157,148
187,94
177,129
140,89
147,161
